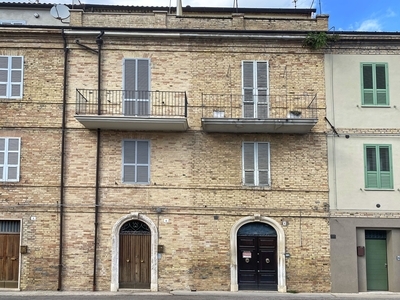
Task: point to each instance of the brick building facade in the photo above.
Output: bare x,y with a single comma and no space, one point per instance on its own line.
145,149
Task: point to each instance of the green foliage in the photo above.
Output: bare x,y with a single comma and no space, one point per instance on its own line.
318,40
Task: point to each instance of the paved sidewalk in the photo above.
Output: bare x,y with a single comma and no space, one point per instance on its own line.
203,294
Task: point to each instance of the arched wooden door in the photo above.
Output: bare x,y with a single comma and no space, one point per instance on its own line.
134,255
257,257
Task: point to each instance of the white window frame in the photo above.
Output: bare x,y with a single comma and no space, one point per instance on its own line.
9,82
5,165
135,164
256,169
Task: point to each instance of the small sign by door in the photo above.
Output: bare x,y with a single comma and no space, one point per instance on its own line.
246,254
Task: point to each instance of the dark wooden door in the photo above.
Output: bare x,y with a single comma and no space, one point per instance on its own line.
257,263
134,259
9,260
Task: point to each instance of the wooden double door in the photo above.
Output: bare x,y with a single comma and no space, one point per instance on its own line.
135,256
257,263
9,260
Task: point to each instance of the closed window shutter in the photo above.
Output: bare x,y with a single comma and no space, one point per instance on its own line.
368,85
2,158
263,163
3,76
129,161
378,168
137,87
16,77
248,89
13,159
136,163
9,159
262,89
385,171
375,84
248,163
381,91
371,168
143,161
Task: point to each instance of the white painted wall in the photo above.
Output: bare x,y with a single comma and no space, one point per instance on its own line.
28,15
345,112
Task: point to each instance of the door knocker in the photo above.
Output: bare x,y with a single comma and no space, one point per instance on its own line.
267,260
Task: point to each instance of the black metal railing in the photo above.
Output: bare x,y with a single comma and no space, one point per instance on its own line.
259,107
131,103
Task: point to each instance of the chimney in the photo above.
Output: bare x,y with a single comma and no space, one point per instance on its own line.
178,8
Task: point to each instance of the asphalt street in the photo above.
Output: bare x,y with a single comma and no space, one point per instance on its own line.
184,295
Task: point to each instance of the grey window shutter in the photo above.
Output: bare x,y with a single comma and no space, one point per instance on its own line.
248,163
2,157
16,77
263,163
262,90
3,76
143,161
248,89
143,86
129,173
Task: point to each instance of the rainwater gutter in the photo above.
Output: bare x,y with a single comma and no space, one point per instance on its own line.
99,43
64,109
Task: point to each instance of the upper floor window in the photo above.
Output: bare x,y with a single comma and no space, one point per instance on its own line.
255,84
136,86
136,161
256,160
378,167
9,159
374,85
11,76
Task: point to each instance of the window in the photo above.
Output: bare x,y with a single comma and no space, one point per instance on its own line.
374,84
136,87
255,84
9,159
256,164
11,77
378,167
136,161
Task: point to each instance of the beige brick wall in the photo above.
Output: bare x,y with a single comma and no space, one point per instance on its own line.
194,175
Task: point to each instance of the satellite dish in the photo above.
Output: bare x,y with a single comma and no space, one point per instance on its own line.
60,11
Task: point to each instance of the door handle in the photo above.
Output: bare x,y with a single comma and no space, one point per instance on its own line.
267,260
13,258
142,261
128,260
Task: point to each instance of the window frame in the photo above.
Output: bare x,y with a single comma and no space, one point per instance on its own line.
256,168
135,164
374,89
9,82
5,165
379,172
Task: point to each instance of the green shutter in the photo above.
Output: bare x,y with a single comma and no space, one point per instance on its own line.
374,84
378,167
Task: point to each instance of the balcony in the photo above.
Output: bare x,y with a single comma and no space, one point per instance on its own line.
132,110
259,114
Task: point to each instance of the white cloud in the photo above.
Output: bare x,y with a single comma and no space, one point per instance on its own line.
390,13
370,25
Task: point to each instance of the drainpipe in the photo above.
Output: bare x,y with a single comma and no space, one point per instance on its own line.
60,255
99,43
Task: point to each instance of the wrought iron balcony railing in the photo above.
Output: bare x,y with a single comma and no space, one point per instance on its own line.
131,103
259,106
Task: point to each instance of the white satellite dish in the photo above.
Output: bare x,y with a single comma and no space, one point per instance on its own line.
60,11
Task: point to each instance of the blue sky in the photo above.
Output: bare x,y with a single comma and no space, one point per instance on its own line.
348,15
